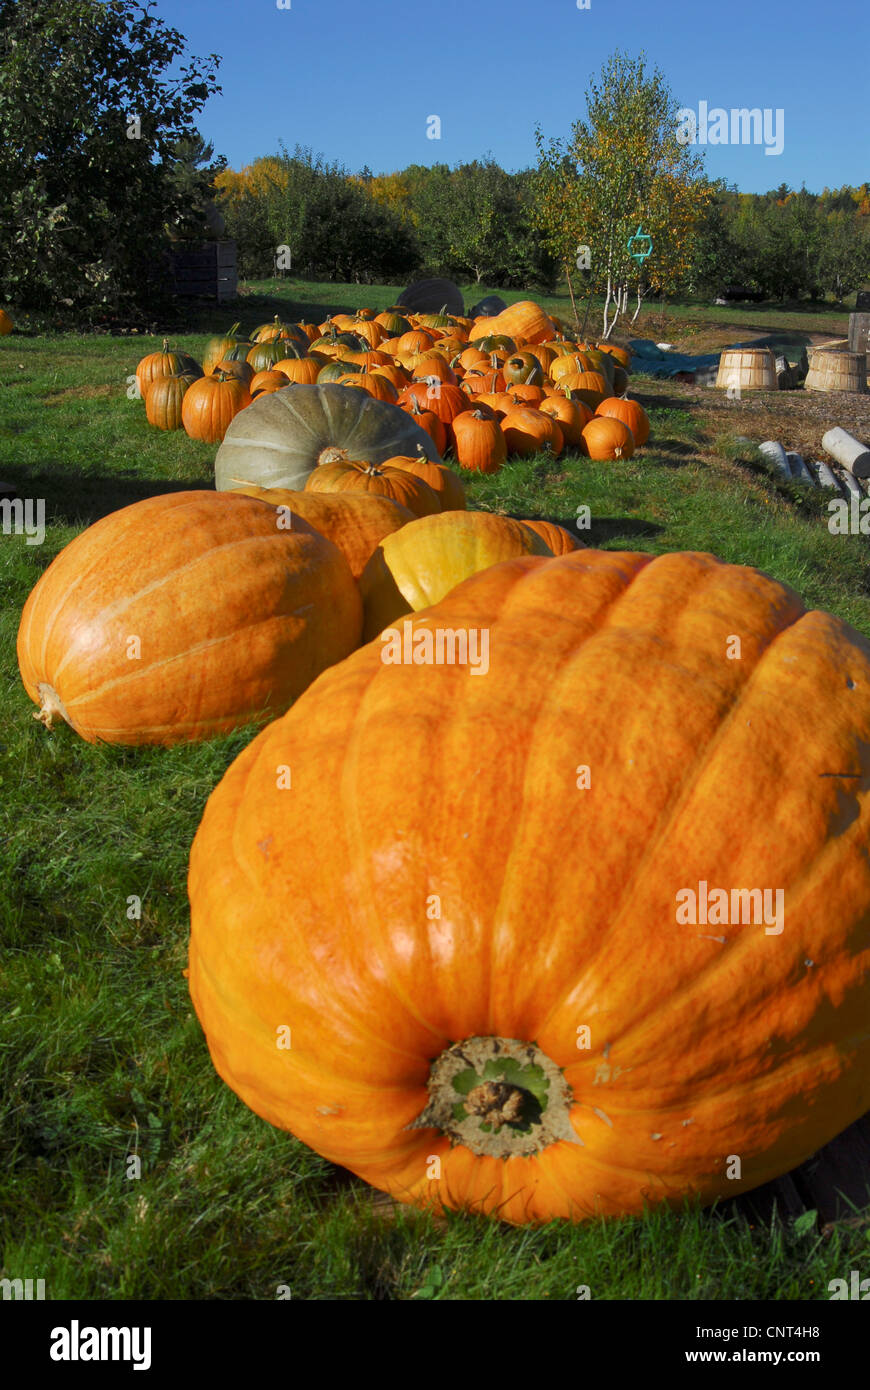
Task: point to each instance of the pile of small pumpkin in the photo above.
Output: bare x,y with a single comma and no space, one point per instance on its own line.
483,388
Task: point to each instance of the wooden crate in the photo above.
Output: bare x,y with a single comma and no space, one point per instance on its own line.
206,268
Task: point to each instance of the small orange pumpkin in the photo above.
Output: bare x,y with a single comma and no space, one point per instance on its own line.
165,398
210,405
267,381
569,415
428,421
164,363
631,413
605,439
478,442
302,370
442,480
528,431
350,475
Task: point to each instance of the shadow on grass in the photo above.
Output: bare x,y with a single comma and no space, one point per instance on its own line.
74,499
603,528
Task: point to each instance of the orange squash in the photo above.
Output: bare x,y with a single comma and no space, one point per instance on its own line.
182,617
605,439
631,413
210,405
558,540
566,916
354,521
527,431
443,481
353,475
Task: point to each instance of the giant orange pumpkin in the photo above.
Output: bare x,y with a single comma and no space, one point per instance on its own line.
183,616
354,521
498,998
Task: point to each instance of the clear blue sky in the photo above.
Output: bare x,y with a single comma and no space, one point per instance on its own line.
357,79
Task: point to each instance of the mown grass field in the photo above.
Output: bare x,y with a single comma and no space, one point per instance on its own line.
101,1057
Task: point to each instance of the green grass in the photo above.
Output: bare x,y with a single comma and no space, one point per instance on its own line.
101,1057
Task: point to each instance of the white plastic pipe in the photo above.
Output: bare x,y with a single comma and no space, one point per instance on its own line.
826,477
848,451
799,469
775,453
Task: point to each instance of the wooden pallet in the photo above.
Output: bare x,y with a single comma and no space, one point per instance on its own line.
834,1182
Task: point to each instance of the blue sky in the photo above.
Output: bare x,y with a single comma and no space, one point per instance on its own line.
357,80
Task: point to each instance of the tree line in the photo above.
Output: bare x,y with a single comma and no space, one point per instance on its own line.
107,170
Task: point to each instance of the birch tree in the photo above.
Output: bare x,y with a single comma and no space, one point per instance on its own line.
621,168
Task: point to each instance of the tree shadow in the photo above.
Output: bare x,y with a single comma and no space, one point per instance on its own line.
81,499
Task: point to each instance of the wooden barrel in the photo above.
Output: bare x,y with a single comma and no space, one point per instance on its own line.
832,369
751,369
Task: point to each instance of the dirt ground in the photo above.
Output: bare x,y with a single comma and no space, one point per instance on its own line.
797,418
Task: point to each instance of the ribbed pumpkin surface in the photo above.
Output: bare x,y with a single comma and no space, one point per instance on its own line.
283,436
557,905
234,618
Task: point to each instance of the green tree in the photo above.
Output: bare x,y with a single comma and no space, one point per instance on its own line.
845,257
623,166
94,102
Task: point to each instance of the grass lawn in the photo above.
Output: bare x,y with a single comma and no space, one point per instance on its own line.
101,1057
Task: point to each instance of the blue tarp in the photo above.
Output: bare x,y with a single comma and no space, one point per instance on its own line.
647,357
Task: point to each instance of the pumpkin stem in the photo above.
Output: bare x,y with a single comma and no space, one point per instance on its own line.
499,1096
332,454
52,706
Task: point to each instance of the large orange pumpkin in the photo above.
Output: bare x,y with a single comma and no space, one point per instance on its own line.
183,616
354,521
498,997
